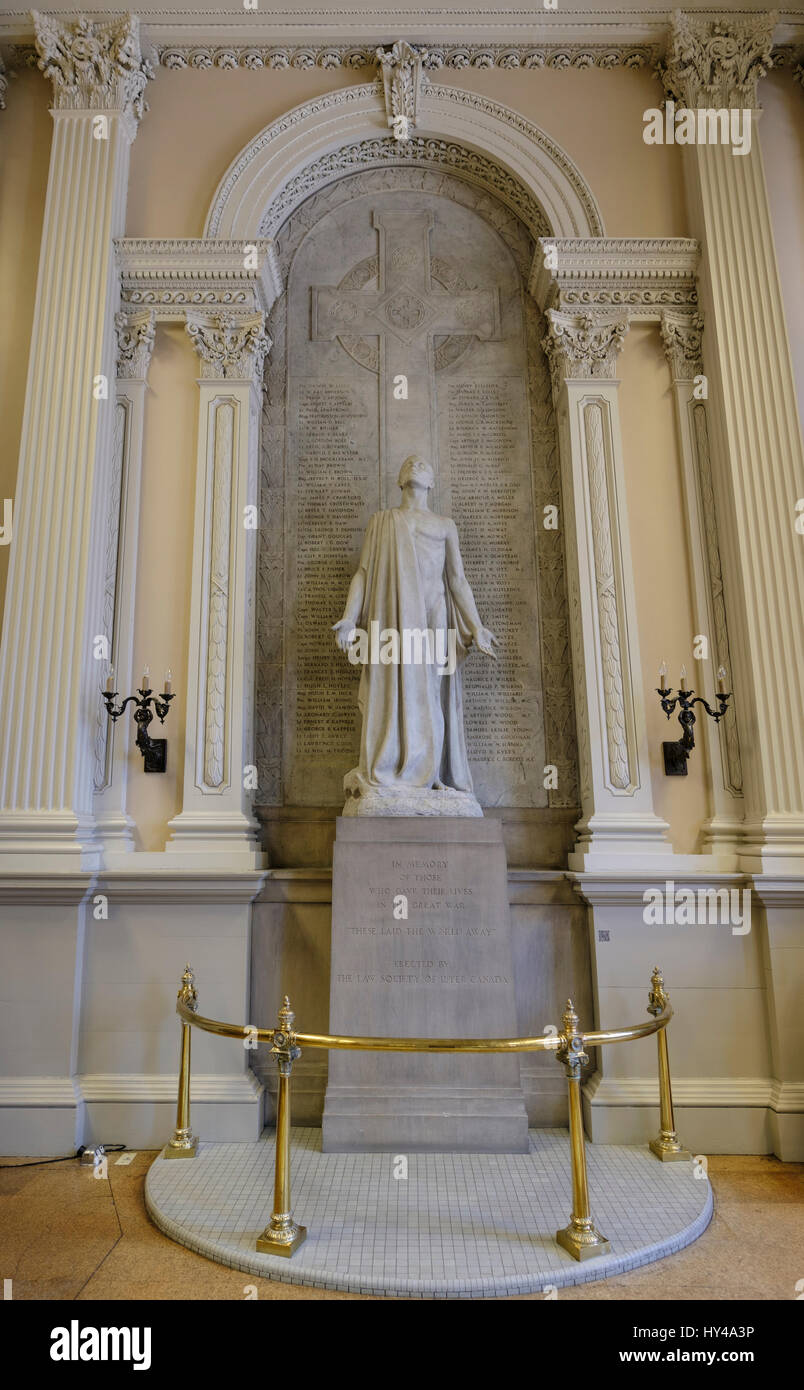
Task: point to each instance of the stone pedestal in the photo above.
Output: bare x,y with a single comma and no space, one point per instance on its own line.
444,970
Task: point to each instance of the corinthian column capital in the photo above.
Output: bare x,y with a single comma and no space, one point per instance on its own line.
93,66
717,63
681,336
583,345
136,334
231,346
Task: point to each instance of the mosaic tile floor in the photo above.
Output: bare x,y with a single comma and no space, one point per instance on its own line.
459,1225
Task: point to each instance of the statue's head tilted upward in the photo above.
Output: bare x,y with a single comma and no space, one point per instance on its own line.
415,469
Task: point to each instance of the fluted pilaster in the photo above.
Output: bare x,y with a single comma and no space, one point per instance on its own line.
49,679
759,459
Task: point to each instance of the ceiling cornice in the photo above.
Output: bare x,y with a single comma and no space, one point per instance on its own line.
452,39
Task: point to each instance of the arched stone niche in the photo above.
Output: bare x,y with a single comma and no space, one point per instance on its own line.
325,427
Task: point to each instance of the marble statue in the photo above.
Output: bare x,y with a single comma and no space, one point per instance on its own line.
411,619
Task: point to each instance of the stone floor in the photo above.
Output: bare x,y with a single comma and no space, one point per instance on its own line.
66,1235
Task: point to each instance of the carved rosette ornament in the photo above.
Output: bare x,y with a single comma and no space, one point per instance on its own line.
717,63
231,347
681,335
96,67
401,75
136,334
583,345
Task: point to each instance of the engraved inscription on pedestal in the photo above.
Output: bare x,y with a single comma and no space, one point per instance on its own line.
444,971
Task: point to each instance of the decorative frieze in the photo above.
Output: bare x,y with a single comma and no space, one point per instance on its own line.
230,346
557,57
583,345
136,334
717,63
93,66
447,56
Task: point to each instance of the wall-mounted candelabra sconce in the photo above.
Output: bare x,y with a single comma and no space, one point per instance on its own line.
154,750
677,753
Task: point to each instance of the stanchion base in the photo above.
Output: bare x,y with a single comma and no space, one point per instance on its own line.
669,1153
188,1150
585,1244
286,1243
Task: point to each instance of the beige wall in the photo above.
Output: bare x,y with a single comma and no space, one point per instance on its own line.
25,131
197,123
596,117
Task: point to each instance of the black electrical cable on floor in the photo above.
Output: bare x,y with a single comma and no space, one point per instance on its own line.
68,1158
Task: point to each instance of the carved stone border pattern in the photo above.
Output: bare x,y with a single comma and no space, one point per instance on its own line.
420,151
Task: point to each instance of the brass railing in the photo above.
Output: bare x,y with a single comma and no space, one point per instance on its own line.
282,1236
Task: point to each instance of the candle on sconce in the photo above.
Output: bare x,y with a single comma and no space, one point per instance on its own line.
663,676
683,678
721,680
168,690
146,678
110,681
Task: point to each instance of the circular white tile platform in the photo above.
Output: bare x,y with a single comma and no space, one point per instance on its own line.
459,1225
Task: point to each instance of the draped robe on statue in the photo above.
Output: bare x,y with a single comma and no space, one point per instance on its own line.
406,706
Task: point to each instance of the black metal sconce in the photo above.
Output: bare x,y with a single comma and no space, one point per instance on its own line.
154,750
677,752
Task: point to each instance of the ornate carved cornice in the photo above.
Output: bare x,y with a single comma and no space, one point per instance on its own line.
583,345
558,57
682,335
135,343
717,63
642,275
93,66
172,276
230,345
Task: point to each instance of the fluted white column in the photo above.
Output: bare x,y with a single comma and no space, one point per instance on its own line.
760,458
216,820
49,679
722,832
115,750
618,818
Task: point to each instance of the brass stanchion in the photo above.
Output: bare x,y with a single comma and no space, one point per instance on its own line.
667,1146
581,1238
282,1236
184,1143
